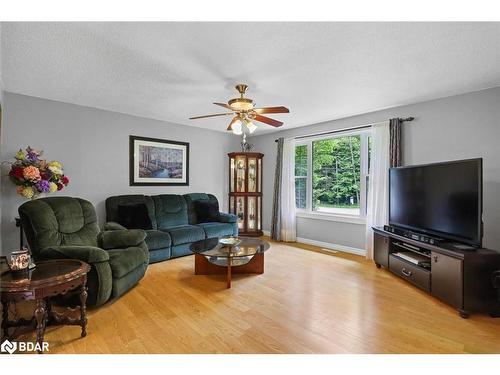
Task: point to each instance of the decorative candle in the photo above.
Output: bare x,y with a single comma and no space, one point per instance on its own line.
19,260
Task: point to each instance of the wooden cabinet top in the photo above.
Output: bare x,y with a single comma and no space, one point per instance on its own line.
251,154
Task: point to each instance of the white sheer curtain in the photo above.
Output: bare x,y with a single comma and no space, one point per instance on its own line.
288,226
377,213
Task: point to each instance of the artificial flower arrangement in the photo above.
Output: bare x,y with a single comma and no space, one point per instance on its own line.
34,176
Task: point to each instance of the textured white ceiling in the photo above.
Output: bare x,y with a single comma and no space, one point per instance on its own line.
321,71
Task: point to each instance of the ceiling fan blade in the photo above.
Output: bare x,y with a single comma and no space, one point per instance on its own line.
224,105
218,114
267,120
230,126
272,110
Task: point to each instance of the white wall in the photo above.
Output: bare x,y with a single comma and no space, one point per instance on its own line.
458,127
93,146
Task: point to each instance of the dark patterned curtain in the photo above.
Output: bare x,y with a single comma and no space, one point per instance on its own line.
276,218
395,154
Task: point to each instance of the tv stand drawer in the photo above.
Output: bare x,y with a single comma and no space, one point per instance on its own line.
410,272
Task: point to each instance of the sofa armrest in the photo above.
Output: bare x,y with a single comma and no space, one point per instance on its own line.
88,254
118,239
227,218
113,225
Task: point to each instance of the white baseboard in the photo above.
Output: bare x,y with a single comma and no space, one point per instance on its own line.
332,246
327,245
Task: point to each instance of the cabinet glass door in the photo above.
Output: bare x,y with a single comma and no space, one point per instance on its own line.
252,175
259,169
240,173
231,205
231,177
240,211
252,213
259,208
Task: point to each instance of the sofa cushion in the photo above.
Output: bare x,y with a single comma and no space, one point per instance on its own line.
191,198
227,218
186,234
119,239
156,239
123,261
89,254
112,204
134,216
216,229
170,211
207,211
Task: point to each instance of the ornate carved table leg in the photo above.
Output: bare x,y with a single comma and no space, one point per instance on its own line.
40,316
48,311
5,318
83,309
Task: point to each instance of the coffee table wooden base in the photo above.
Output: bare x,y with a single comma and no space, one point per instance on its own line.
203,267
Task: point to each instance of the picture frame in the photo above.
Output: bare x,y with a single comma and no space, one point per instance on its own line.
157,162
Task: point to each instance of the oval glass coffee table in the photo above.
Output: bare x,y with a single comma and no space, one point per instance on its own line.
211,257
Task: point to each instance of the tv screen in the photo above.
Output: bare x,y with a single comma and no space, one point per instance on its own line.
442,199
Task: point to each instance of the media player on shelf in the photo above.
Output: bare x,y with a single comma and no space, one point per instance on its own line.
424,238
413,235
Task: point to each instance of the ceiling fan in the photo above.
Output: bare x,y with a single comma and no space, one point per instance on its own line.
245,114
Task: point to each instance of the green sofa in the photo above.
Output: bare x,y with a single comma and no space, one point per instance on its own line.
65,227
174,220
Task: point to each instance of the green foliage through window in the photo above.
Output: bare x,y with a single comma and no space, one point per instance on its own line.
331,174
336,172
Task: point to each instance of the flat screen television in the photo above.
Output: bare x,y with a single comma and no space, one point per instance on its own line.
442,199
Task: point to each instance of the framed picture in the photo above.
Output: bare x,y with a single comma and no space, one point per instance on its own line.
158,162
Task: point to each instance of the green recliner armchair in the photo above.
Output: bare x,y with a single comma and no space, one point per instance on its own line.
65,227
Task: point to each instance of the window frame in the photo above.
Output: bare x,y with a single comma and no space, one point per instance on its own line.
308,212
306,176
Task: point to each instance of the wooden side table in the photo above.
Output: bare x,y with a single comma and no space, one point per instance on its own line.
49,278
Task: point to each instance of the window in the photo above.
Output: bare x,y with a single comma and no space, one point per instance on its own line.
300,176
331,174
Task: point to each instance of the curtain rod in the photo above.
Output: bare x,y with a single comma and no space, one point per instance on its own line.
405,119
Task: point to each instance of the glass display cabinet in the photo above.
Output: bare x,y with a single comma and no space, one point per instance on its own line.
245,191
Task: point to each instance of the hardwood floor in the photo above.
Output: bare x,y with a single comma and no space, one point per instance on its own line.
305,302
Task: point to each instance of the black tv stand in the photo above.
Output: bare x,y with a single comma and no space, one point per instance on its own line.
458,277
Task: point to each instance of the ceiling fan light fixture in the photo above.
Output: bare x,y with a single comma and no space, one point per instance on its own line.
236,127
241,104
245,113
251,126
